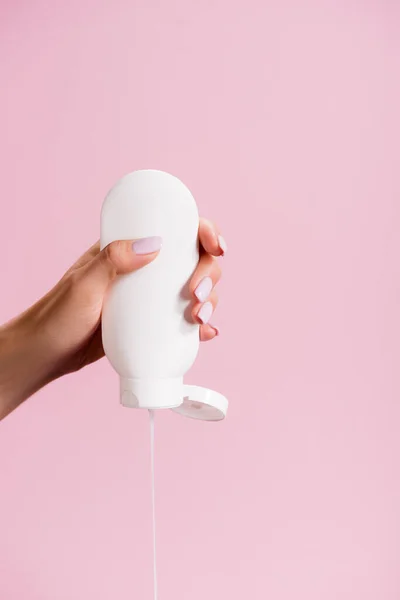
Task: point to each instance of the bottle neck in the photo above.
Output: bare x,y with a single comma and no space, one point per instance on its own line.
151,393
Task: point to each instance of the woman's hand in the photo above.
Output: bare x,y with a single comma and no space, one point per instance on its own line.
61,333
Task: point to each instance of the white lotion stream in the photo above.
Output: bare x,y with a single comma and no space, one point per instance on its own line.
151,414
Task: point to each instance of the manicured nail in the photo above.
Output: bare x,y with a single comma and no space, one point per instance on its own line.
222,245
216,329
203,289
147,245
205,312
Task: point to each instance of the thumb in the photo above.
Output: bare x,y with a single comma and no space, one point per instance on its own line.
121,257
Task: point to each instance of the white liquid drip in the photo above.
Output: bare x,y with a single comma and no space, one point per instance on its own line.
151,414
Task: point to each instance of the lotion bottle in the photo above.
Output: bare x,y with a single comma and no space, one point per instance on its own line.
148,335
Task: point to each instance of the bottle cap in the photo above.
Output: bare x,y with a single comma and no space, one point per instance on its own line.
202,403
151,393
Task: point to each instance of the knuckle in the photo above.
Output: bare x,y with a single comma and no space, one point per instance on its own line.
109,252
214,299
217,271
73,280
209,260
112,254
69,286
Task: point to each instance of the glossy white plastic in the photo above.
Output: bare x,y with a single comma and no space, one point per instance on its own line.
148,335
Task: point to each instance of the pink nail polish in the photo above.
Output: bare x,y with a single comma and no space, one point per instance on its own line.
203,289
222,245
205,312
216,329
147,245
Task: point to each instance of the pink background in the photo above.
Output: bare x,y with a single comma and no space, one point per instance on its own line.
283,119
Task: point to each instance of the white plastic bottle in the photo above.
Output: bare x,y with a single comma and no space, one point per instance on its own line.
148,335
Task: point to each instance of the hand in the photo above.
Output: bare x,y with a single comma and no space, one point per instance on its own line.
61,333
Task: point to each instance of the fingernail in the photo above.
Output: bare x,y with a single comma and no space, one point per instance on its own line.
205,312
216,329
147,245
203,289
222,244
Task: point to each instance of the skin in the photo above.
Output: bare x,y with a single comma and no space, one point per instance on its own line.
61,333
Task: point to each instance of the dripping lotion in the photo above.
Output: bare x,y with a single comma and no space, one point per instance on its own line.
147,335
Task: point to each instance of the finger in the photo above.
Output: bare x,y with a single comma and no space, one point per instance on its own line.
119,258
203,311
208,332
205,277
87,256
210,238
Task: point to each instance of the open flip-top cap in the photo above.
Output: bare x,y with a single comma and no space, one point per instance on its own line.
203,404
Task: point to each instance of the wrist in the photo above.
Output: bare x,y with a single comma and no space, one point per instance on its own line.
23,363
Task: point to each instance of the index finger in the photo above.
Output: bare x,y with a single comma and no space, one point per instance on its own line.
87,257
210,239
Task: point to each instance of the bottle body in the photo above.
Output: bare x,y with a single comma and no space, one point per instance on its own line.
148,335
